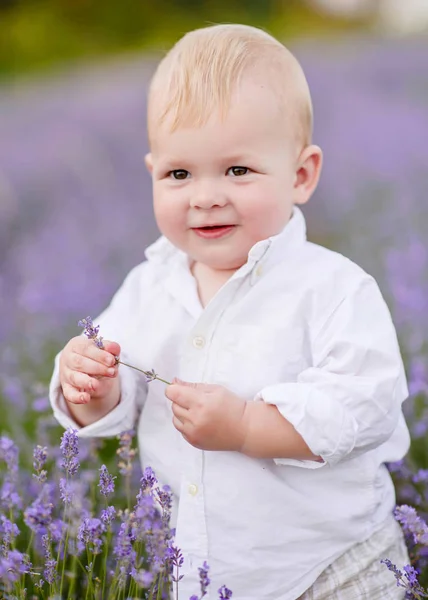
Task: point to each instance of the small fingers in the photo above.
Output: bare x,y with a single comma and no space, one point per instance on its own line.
81,381
180,412
87,348
178,424
90,366
75,396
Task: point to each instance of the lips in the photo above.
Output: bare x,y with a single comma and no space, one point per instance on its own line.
213,231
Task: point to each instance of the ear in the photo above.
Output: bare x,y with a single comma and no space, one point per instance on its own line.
149,162
308,172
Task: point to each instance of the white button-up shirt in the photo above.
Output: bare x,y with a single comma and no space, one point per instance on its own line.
302,328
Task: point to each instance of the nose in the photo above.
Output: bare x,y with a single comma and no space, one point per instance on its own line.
206,194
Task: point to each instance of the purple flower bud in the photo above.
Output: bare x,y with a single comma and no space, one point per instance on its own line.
148,480
90,534
57,529
38,515
142,577
40,455
8,531
224,593
106,483
203,578
70,450
9,453
9,497
150,375
65,491
12,566
412,523
50,570
407,579
107,515
125,452
164,497
91,332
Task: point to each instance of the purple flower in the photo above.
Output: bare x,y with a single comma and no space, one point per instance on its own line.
224,593
90,534
106,483
164,497
91,332
9,497
421,476
9,453
12,566
203,578
38,515
70,450
107,515
40,455
65,491
41,404
174,558
148,480
124,550
57,529
412,523
50,570
143,577
407,579
125,452
150,375
411,575
8,531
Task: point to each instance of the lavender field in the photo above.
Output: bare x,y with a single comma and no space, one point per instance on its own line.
75,215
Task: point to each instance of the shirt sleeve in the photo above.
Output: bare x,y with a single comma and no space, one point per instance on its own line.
349,401
115,323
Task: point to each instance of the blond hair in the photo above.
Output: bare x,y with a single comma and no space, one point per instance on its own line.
200,73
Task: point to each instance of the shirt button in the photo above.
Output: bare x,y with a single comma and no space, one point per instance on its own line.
259,270
193,489
198,341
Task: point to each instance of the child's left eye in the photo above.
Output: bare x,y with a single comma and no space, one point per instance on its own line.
237,171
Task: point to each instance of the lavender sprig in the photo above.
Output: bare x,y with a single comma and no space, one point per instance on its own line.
407,579
106,483
91,333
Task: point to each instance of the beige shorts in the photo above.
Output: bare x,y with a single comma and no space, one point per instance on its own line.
359,575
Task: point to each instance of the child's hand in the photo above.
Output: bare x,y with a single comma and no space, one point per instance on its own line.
87,372
209,417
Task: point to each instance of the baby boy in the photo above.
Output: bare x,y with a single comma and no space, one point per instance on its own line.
287,402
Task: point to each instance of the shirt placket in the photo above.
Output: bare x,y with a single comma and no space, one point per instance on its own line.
195,367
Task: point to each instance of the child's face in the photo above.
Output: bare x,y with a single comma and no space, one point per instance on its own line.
238,174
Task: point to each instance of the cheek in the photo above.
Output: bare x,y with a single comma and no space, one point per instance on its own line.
170,212
265,211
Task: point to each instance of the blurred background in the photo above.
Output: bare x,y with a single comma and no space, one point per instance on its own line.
75,199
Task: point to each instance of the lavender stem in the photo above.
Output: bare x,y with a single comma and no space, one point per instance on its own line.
146,373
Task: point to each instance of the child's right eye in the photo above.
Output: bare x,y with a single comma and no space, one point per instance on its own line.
179,174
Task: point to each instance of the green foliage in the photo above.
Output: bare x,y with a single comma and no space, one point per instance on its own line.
36,35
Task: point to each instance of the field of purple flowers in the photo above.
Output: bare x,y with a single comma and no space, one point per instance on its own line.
75,215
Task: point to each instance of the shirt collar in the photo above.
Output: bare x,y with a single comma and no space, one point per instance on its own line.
271,250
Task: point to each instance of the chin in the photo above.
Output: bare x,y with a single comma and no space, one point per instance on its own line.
224,265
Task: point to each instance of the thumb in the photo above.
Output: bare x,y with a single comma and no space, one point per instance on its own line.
197,386
177,381
112,347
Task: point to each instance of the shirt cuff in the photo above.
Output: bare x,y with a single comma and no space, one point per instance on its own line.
121,418
325,425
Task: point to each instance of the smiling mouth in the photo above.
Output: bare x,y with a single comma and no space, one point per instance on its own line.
213,231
